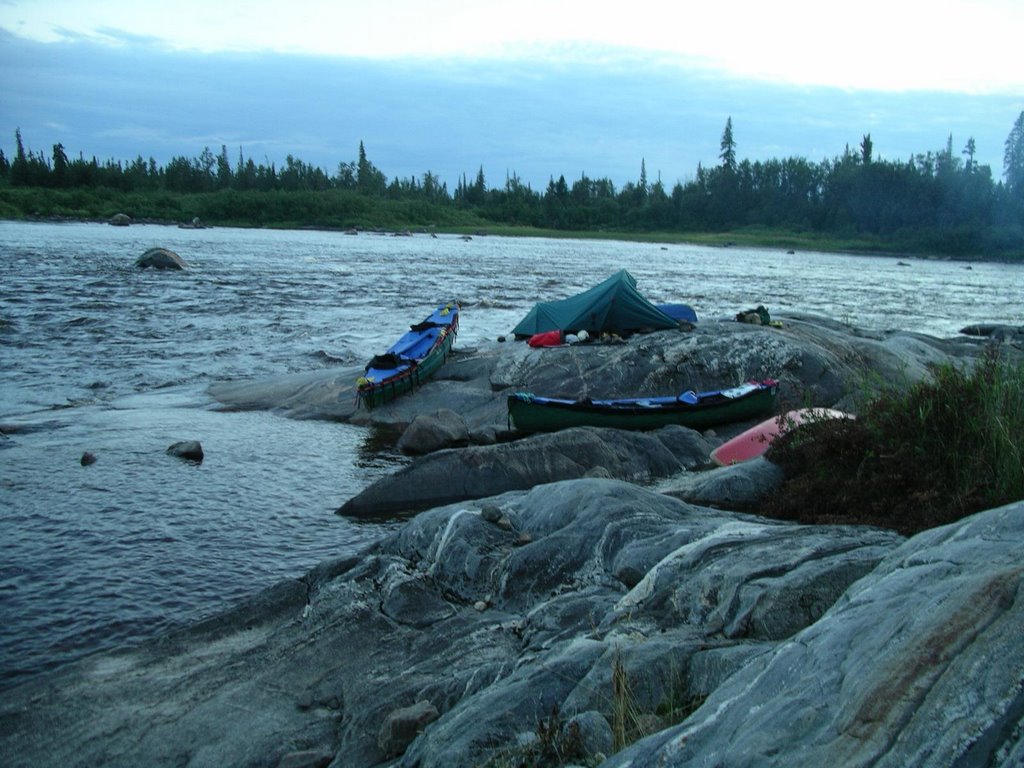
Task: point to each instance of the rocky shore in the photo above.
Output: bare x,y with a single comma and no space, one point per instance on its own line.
603,597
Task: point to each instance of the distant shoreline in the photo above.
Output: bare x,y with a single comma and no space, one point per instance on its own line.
759,239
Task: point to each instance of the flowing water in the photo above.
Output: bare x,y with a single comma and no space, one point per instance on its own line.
98,355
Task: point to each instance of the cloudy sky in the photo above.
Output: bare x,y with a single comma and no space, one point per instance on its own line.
539,88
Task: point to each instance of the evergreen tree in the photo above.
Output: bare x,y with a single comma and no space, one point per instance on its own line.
479,188
1013,158
969,150
866,148
363,180
728,146
19,168
60,166
369,181
205,164
223,168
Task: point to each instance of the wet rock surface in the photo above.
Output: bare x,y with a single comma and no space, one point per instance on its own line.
637,586
806,642
818,362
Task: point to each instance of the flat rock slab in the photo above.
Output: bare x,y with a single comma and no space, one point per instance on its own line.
454,475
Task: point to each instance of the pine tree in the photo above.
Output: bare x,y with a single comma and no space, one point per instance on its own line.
223,168
728,154
969,150
866,148
19,168
1013,159
60,166
364,175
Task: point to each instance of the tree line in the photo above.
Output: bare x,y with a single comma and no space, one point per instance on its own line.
942,200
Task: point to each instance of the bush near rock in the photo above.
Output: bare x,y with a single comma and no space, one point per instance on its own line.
915,458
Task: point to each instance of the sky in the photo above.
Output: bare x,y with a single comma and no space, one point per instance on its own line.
535,88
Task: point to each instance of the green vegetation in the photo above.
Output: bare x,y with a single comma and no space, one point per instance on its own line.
915,458
932,203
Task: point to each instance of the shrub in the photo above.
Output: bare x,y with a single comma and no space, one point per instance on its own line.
916,458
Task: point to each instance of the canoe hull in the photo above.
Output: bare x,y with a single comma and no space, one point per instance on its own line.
373,391
757,440
529,413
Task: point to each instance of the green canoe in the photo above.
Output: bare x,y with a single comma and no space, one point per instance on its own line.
698,410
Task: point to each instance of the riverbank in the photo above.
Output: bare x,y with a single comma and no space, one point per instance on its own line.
579,612
352,213
751,238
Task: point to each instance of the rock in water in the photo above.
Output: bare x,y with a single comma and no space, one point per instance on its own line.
161,258
187,449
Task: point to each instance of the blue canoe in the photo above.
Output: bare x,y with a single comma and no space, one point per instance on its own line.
411,360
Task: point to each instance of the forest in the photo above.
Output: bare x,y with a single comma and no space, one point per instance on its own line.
939,202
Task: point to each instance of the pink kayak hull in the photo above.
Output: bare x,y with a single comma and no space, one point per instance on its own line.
756,440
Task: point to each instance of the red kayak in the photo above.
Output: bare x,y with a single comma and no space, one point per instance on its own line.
755,441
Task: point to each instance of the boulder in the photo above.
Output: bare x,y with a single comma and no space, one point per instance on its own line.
306,758
120,220
432,432
481,471
681,597
593,732
403,725
191,450
740,487
1005,334
161,258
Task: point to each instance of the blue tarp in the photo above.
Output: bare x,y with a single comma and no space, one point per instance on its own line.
682,312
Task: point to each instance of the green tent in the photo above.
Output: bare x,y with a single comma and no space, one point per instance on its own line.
614,306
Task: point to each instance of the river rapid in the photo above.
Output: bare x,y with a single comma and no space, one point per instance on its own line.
98,355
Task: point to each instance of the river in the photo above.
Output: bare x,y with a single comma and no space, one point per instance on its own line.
98,355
